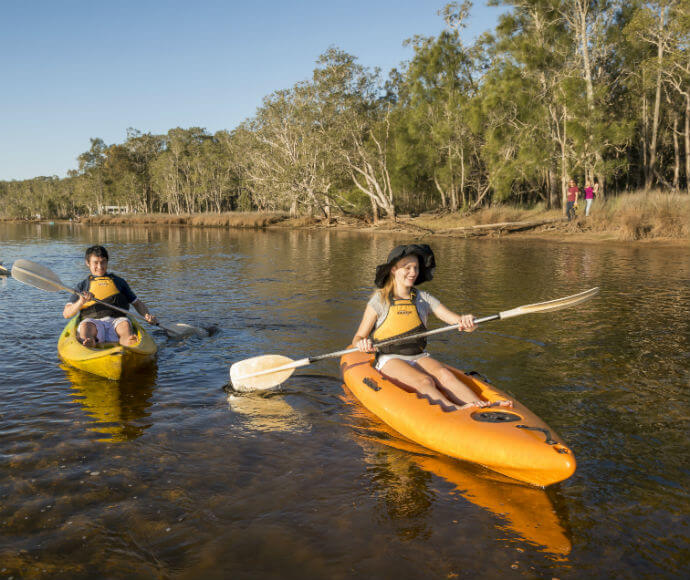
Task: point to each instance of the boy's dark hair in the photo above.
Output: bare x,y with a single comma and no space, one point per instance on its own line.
98,251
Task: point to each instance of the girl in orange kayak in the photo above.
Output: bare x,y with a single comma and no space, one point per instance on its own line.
398,309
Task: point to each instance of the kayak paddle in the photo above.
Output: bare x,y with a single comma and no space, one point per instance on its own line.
43,278
266,371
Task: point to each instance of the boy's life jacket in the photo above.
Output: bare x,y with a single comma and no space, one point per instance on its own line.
401,319
103,288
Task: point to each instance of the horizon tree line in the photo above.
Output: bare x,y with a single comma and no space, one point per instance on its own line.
595,90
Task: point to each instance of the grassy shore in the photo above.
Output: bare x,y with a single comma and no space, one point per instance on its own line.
218,220
636,216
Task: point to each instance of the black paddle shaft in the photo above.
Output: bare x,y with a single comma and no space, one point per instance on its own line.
313,359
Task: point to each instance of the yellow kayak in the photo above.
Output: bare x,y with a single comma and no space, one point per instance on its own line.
110,360
513,442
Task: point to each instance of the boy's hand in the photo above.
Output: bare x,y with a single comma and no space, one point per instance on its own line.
86,296
150,318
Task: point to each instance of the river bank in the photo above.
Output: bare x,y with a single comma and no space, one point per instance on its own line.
655,217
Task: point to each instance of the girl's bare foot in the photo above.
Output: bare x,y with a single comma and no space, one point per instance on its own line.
487,404
506,404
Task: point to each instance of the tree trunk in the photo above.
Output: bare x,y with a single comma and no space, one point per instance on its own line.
687,141
564,165
676,153
657,107
645,137
442,193
374,210
553,188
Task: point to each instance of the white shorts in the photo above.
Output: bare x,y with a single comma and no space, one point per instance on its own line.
410,358
105,328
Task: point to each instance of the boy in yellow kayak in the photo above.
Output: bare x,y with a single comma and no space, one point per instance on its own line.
99,323
399,309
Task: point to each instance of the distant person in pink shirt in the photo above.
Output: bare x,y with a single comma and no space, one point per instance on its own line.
589,196
571,199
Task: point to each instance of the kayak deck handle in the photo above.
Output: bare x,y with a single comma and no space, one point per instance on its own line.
546,432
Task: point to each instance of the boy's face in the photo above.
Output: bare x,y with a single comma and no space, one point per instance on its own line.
97,266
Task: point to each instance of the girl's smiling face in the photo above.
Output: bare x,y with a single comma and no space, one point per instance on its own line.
405,271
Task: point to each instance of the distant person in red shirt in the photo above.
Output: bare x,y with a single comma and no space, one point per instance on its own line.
571,199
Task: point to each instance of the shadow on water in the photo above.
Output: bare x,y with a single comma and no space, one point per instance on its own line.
118,409
403,469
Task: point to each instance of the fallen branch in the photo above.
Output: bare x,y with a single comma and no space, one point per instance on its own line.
484,229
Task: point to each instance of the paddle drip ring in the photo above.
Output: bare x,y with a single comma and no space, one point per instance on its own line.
495,417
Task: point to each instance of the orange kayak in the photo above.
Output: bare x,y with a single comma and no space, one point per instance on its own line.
513,442
521,509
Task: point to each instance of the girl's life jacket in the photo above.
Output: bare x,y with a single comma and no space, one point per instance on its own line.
401,319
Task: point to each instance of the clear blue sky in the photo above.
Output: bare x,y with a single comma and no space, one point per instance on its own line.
76,69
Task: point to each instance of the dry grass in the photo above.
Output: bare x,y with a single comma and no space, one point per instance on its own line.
638,216
492,215
218,220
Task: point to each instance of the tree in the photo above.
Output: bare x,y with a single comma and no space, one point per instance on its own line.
356,125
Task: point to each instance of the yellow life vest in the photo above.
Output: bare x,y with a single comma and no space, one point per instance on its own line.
401,319
103,288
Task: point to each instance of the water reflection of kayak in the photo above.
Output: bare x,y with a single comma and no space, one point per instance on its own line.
111,361
267,412
116,408
524,510
514,442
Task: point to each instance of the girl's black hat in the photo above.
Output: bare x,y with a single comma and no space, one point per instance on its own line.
427,263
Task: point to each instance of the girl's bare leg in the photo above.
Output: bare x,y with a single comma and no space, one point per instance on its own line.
445,377
417,379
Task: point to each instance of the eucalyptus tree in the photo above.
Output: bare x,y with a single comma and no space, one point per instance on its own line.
436,92
529,94
142,149
588,24
674,69
236,148
355,123
289,157
658,30
91,164
177,174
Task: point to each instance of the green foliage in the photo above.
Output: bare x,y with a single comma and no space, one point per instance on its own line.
561,88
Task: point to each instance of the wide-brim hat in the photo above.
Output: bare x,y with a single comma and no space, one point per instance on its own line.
427,263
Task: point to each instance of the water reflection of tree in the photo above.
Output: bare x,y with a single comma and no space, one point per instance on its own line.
117,408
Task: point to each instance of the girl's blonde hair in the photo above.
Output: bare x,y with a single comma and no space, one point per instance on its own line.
385,292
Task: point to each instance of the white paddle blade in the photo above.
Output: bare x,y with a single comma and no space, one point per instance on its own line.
551,305
181,330
37,276
255,374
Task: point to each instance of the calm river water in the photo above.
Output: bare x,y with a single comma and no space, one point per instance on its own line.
168,476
